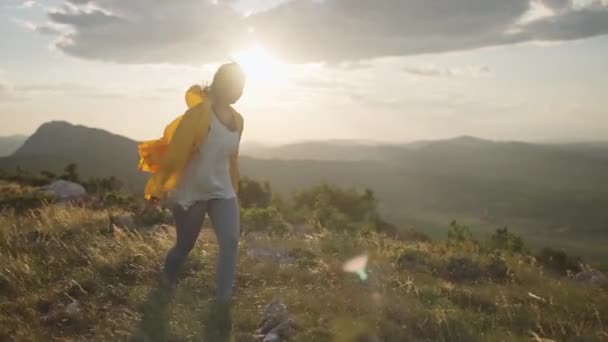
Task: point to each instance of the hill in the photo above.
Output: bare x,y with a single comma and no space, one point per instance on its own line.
545,192
345,150
10,144
97,153
68,274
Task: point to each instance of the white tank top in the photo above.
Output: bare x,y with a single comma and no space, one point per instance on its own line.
207,175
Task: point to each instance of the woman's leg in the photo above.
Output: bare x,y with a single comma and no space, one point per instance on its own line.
188,223
224,214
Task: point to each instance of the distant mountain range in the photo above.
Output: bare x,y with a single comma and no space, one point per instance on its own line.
543,187
10,144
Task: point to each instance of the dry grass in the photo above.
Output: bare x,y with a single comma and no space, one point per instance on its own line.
66,277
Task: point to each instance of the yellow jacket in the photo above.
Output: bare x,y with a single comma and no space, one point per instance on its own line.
167,157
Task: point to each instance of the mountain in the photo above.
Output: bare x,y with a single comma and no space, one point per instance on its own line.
593,149
98,153
9,144
545,191
342,150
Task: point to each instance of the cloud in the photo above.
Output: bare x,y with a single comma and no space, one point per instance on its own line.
149,31
48,29
437,71
360,29
201,31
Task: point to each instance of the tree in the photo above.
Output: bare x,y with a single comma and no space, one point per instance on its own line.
253,194
71,173
48,174
502,239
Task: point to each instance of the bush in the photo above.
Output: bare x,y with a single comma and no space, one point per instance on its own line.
504,240
24,202
70,173
254,194
102,185
267,220
559,262
458,234
414,260
340,209
463,269
119,199
497,269
24,177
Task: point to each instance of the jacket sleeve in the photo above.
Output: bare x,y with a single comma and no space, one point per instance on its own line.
176,156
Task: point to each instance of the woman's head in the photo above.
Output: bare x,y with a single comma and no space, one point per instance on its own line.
228,84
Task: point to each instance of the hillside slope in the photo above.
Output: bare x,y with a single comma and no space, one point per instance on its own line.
96,152
66,276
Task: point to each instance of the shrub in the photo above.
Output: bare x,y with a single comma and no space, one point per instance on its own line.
24,202
458,234
558,261
463,269
504,240
414,260
254,194
353,204
340,209
118,199
262,220
498,270
70,173
102,185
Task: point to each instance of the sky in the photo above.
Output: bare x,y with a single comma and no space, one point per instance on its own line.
382,70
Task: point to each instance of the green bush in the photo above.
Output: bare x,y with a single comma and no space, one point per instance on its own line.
266,220
254,194
504,240
460,234
340,209
102,186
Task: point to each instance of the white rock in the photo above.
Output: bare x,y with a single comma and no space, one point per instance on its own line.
64,190
73,309
592,278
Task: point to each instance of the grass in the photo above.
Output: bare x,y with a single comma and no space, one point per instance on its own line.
66,277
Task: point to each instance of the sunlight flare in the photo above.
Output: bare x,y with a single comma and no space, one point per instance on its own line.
261,67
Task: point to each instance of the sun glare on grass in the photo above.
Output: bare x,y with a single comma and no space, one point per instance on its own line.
262,69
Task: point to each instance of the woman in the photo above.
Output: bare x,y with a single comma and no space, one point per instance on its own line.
195,166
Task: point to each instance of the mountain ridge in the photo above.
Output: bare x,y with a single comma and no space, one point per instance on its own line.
540,188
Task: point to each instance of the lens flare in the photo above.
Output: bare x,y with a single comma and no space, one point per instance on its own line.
358,266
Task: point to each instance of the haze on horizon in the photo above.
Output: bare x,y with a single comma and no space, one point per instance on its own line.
386,70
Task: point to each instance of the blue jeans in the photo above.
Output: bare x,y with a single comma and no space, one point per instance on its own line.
224,214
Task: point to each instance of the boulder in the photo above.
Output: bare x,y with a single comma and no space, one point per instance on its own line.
592,278
276,255
275,325
65,190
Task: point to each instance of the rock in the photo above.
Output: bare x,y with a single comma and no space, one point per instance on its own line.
73,309
275,325
65,190
592,278
301,229
271,255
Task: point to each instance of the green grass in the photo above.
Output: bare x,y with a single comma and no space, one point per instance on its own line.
57,255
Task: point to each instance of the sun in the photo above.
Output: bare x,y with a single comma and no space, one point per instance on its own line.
261,67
